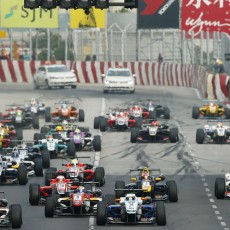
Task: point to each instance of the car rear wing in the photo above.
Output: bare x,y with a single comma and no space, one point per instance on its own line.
140,170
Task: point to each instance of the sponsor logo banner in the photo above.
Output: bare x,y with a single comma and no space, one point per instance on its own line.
205,15
14,15
158,14
96,18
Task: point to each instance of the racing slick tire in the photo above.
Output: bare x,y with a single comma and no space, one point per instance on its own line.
34,194
195,112
227,113
220,188
50,206
152,115
47,114
99,175
101,213
22,175
73,86
71,149
109,199
103,124
97,143
134,135
200,136
160,213
19,133
81,115
15,215
120,184
96,123
38,167
38,136
35,122
173,135
166,113
45,129
50,174
172,191
45,158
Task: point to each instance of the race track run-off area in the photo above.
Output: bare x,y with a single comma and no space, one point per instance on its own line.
194,167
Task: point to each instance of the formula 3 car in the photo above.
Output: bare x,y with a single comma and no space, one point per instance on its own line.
117,119
76,170
150,185
35,106
65,111
222,187
211,109
131,209
10,215
218,133
54,145
152,131
78,201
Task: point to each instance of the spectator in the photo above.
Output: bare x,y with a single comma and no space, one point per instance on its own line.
26,56
220,66
160,58
215,66
34,55
4,55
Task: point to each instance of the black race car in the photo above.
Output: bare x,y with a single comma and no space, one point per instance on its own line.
152,131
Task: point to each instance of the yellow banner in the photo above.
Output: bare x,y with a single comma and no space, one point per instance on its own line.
96,18
14,15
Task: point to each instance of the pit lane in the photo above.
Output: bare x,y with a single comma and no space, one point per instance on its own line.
194,167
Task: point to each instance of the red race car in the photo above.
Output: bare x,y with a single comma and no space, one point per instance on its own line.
118,119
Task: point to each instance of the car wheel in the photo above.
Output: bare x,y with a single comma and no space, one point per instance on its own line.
47,85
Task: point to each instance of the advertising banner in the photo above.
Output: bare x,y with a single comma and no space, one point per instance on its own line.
205,15
96,18
14,15
158,14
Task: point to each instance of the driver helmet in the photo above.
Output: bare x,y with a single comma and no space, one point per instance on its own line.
219,124
145,173
64,123
33,101
155,123
60,178
74,162
77,131
64,106
80,189
3,203
50,138
59,129
227,176
15,153
121,113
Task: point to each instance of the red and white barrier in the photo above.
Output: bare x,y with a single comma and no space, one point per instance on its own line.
148,73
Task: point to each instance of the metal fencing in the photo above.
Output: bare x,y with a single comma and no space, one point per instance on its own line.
127,44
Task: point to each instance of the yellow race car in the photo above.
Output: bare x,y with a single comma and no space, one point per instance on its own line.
211,109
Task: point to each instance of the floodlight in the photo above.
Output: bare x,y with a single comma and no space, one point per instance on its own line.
131,4
66,4
83,4
49,4
32,4
102,4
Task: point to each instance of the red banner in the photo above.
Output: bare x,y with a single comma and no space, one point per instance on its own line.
205,15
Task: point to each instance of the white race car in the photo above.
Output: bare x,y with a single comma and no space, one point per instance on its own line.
222,187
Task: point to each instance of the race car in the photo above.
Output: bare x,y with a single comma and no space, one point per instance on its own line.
35,106
218,133
54,145
10,215
131,209
76,170
150,110
20,156
78,201
65,111
211,109
19,116
222,187
9,135
150,185
11,172
80,136
117,119
152,131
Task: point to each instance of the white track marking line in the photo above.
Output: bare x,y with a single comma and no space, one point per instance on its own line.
197,93
97,160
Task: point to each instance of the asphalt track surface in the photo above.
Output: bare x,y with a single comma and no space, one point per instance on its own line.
194,167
